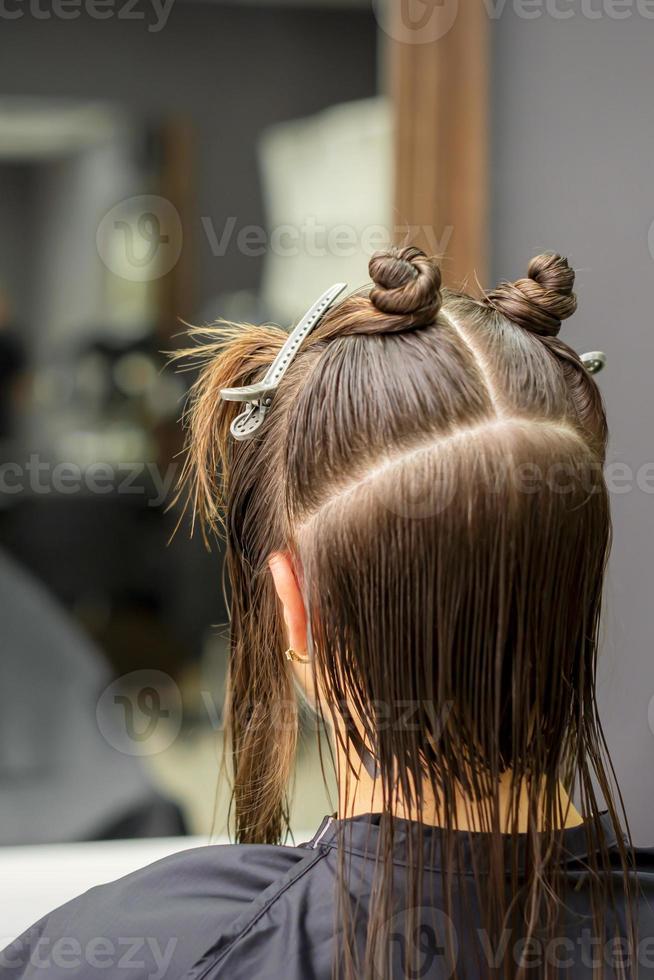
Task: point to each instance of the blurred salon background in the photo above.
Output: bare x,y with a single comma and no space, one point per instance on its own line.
171,163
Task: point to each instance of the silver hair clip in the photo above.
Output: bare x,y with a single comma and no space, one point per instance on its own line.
259,396
594,361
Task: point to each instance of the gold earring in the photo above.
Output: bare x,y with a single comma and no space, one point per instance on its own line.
295,657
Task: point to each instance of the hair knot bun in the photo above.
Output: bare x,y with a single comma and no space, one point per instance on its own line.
406,285
540,302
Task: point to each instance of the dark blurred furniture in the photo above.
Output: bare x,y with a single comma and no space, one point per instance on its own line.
146,600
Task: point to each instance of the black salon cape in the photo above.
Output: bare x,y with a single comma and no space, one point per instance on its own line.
255,912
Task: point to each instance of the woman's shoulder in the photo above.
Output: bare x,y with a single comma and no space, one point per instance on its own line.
156,922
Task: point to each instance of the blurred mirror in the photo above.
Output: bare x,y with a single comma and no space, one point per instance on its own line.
147,181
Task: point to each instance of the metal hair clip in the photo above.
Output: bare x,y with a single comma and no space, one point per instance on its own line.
259,396
594,361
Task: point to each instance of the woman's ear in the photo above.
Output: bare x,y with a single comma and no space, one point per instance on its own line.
290,596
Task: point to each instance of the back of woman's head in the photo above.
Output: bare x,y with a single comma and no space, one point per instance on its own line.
433,465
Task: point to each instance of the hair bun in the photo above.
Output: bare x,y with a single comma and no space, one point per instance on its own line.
406,284
542,301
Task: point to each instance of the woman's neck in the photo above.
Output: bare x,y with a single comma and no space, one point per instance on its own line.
360,793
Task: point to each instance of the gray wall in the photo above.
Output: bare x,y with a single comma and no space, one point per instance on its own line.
573,170
233,70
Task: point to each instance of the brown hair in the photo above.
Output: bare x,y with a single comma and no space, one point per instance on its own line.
434,466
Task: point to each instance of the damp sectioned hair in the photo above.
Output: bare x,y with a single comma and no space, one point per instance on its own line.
433,463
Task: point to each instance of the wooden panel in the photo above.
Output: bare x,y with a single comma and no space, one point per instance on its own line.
440,94
176,288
